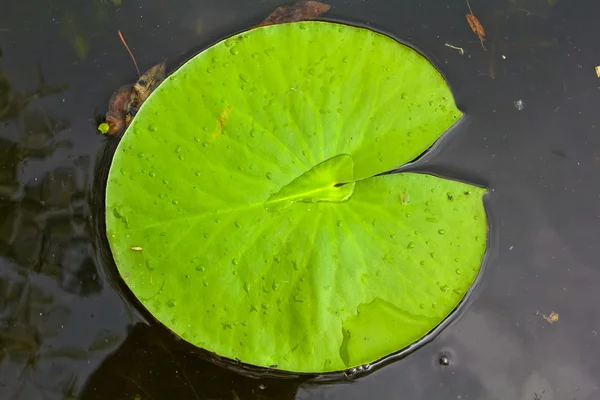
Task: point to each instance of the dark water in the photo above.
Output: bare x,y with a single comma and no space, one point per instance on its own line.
68,331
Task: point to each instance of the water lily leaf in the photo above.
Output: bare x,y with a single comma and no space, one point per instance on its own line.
246,185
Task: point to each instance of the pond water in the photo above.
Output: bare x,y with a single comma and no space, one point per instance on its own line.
67,330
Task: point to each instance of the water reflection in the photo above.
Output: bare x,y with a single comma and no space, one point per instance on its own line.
46,256
152,366
13,102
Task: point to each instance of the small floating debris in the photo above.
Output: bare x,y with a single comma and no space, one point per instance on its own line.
444,360
552,318
136,248
598,71
519,105
460,49
104,128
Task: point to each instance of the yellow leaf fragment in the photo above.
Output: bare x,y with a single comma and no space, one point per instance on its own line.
552,318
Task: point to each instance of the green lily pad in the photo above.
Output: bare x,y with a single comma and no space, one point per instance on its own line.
243,211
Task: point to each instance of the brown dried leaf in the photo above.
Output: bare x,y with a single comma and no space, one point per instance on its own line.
143,88
298,11
476,27
126,101
117,106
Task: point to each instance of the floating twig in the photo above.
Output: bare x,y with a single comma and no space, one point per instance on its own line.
460,49
129,51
